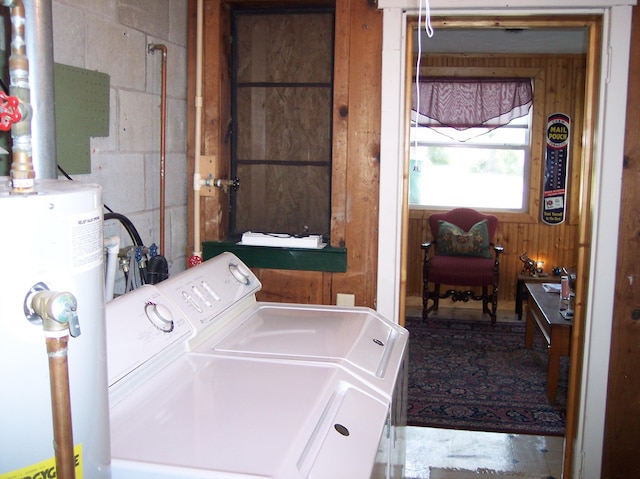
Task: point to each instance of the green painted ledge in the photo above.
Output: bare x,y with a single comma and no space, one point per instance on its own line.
329,259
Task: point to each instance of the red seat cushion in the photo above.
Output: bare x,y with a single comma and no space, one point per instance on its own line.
461,270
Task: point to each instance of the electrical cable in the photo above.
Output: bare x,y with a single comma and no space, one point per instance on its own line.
68,177
429,30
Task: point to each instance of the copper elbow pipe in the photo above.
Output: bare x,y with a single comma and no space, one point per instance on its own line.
163,120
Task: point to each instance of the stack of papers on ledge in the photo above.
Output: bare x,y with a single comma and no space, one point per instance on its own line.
282,240
551,287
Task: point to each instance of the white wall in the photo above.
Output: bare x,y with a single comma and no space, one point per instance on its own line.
111,36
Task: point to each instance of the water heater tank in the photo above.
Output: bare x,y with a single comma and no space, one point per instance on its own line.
52,239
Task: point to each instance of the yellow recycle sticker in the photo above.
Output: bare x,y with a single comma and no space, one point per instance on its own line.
45,469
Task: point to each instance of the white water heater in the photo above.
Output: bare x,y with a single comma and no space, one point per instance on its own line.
52,239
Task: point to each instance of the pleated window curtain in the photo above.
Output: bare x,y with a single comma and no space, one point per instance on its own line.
464,103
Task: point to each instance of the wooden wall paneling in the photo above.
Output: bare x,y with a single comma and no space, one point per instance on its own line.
212,210
363,153
509,262
224,140
305,287
211,204
622,421
340,120
538,145
417,234
576,148
215,115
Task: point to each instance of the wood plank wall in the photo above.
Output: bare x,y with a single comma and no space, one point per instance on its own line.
355,152
558,87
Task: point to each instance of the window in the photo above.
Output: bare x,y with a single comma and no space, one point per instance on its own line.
282,95
478,167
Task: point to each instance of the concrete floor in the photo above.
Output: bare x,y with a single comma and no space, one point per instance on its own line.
462,452
481,452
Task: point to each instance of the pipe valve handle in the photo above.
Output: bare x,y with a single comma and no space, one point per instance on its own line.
9,111
58,311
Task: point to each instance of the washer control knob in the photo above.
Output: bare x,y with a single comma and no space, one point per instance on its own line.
240,273
160,316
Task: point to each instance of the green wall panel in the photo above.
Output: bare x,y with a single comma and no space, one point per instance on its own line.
82,111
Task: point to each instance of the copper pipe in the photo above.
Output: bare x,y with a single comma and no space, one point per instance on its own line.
163,120
61,406
22,172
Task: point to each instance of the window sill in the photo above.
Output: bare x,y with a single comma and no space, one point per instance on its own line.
329,259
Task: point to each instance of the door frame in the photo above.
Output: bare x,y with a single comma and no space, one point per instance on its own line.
583,457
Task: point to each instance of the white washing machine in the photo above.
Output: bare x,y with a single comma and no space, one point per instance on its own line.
207,382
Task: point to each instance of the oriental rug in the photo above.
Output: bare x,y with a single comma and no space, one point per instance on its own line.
466,374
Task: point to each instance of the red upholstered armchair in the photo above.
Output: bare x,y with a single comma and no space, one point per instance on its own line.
463,255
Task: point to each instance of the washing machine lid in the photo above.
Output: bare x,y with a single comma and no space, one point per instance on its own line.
359,338
240,417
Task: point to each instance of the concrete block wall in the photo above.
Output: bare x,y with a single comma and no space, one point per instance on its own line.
111,36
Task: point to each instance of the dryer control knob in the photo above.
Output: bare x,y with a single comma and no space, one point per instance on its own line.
240,273
160,316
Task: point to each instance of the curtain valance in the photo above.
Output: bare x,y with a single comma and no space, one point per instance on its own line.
463,103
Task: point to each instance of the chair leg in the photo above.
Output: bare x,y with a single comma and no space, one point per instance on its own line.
427,295
494,305
425,301
436,297
485,300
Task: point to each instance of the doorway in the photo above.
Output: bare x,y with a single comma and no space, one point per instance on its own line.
481,32
596,303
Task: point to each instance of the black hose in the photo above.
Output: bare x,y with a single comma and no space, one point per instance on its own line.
128,225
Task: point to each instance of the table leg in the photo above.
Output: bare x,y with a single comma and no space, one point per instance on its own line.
519,293
530,329
553,372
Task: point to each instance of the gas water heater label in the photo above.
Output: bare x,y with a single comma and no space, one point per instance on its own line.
45,469
86,241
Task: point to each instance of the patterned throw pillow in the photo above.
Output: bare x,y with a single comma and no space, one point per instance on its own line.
454,241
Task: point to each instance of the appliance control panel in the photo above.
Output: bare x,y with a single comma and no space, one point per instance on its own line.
205,293
152,324
141,325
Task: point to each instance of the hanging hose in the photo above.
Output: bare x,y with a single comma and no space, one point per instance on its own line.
128,225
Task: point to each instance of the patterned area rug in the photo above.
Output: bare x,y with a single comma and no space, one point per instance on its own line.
466,374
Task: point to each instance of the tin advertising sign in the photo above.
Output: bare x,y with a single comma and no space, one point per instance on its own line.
556,168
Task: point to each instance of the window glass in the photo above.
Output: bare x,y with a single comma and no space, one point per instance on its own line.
488,171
